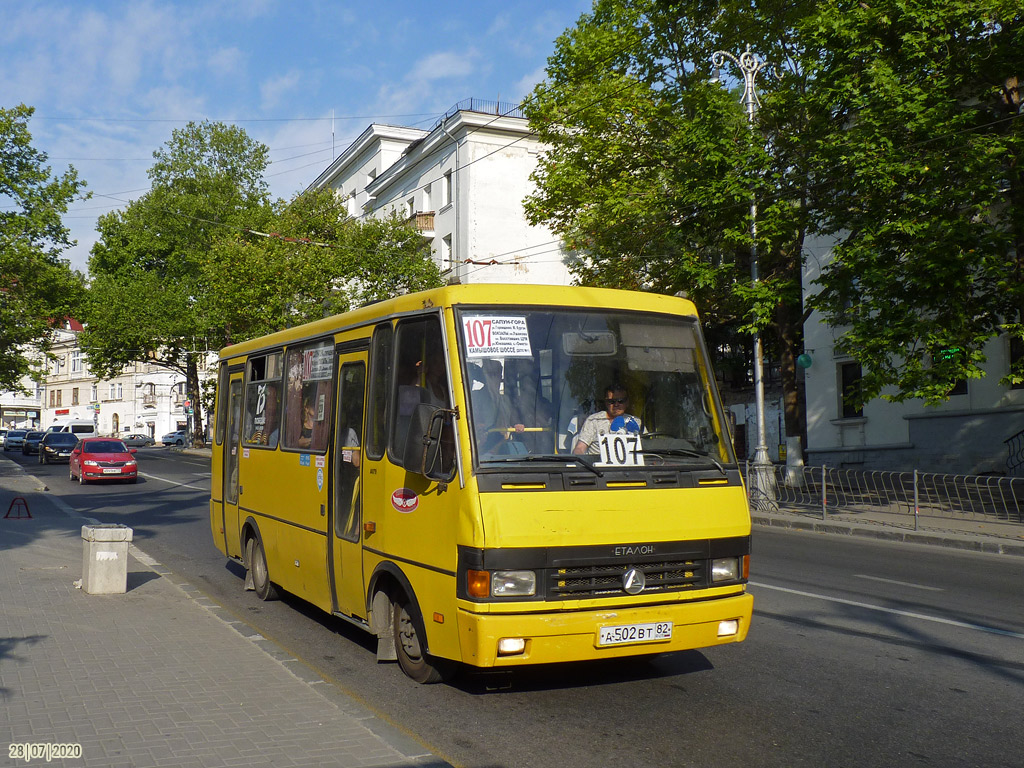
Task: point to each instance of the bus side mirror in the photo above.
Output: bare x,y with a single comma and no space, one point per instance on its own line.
425,452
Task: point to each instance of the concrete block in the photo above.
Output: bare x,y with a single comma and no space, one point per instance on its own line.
105,559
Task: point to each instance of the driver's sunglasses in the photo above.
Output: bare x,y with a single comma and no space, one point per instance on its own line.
617,400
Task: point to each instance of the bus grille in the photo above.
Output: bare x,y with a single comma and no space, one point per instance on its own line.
605,580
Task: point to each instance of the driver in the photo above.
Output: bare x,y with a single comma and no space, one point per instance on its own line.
614,415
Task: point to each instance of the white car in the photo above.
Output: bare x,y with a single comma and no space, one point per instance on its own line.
174,438
14,438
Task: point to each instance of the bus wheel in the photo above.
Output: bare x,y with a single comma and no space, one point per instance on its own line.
257,561
408,645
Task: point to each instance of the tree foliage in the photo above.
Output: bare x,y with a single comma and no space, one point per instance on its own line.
653,165
38,288
327,263
206,259
923,186
891,127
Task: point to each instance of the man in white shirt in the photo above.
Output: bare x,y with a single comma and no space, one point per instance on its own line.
616,401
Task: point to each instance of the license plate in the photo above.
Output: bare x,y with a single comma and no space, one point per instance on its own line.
635,633
111,471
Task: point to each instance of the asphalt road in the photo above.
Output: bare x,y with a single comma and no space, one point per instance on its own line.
862,653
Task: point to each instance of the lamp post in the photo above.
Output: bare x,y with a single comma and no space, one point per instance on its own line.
762,479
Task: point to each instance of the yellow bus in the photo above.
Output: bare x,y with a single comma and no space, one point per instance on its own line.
489,475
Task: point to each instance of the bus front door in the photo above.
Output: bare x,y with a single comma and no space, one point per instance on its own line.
232,449
346,555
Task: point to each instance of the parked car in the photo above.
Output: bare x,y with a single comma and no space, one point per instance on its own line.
14,438
56,446
31,442
102,458
135,441
174,438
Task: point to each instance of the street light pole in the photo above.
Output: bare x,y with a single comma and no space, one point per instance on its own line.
762,479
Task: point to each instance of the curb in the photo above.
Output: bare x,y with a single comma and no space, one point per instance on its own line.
989,545
398,739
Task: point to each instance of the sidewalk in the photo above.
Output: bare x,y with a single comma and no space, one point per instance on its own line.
159,676
972,534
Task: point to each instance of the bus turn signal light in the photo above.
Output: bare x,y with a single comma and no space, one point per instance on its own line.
478,583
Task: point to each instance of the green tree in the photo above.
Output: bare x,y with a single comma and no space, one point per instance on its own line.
37,287
923,186
326,263
653,165
148,298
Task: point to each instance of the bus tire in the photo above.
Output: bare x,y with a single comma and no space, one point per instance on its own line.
416,663
256,559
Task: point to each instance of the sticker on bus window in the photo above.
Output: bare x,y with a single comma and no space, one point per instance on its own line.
496,336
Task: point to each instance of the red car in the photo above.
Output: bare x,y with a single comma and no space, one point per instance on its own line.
102,458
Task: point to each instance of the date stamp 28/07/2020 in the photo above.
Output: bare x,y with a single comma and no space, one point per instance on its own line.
41,750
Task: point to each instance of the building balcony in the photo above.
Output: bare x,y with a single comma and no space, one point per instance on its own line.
424,222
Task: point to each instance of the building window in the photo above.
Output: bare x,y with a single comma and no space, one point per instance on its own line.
59,398
74,395
410,207
850,375
446,253
116,391
446,189
426,198
95,393
53,397
76,361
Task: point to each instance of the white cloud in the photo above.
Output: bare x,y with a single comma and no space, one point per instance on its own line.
226,62
445,64
273,90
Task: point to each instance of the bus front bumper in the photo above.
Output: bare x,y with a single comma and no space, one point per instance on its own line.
495,640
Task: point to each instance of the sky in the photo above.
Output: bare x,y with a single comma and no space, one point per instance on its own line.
110,81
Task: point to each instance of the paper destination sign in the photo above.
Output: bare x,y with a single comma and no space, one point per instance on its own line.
495,336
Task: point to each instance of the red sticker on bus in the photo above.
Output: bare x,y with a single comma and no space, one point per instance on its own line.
405,500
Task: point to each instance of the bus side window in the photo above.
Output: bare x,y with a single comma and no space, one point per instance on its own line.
381,359
421,378
308,397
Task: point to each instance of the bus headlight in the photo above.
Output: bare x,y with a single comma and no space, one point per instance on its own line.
725,569
513,583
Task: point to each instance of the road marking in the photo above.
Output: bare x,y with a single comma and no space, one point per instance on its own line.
881,609
899,583
172,482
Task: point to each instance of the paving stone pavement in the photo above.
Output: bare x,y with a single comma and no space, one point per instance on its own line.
157,676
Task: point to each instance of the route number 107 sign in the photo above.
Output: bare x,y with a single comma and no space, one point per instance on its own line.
618,450
496,336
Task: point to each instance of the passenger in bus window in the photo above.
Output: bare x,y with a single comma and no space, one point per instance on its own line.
308,415
616,403
492,411
530,409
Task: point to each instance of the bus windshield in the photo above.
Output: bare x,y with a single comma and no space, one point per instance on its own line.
614,389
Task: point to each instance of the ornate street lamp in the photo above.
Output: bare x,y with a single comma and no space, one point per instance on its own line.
762,479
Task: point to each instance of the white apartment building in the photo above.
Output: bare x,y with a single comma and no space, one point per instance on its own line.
143,399
965,435
19,410
463,183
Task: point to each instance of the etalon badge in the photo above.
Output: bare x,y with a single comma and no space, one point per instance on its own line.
634,581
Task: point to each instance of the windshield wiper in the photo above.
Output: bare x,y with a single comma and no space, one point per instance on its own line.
548,457
684,452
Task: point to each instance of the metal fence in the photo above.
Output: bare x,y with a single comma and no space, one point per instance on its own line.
828,490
